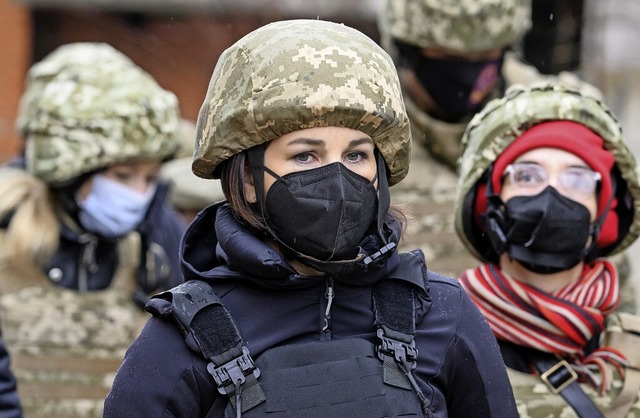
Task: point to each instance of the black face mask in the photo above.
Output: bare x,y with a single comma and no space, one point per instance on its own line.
336,186
546,233
459,87
323,213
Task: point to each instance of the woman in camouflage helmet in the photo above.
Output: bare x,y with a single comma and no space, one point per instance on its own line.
304,124
85,229
547,189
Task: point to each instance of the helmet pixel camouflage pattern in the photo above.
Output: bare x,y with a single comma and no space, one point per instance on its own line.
459,26
86,106
298,74
503,120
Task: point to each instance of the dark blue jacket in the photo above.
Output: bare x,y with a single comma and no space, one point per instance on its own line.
460,368
9,399
88,262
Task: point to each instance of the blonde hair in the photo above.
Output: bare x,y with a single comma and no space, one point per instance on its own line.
33,231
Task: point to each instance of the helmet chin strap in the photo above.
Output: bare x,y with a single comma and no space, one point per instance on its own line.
255,157
597,224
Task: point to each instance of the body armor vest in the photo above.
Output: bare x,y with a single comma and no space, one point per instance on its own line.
65,345
350,377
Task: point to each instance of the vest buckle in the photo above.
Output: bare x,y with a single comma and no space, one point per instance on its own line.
403,353
234,372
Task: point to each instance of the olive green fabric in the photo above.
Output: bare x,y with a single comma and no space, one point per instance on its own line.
535,399
86,106
503,120
66,346
460,26
298,74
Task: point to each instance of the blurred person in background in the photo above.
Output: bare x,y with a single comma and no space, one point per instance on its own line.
553,44
453,57
189,194
86,233
548,190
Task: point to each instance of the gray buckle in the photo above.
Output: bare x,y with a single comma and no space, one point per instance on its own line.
402,352
234,372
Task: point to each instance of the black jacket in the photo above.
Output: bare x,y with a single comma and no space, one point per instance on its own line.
460,369
9,399
86,261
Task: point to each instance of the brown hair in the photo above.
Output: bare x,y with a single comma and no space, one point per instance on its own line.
233,173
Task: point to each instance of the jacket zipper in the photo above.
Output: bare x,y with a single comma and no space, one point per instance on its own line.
328,294
87,262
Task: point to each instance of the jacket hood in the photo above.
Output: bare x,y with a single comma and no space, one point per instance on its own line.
217,247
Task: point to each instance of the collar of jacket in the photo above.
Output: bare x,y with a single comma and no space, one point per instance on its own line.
86,261
82,261
217,247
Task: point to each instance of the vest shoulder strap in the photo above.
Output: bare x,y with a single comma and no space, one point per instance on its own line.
200,315
395,318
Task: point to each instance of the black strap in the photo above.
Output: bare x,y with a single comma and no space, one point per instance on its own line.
393,307
561,379
393,302
200,314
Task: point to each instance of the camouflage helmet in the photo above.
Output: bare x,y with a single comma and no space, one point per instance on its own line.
458,26
86,106
298,74
503,120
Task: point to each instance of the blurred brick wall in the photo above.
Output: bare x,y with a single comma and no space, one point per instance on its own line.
15,57
180,51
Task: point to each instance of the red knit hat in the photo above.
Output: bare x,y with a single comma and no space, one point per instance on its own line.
572,137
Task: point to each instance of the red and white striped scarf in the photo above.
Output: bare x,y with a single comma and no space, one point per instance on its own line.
561,322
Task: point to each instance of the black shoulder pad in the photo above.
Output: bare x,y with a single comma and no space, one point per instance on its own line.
183,302
413,271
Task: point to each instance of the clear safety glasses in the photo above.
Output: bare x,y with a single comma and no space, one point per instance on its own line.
576,182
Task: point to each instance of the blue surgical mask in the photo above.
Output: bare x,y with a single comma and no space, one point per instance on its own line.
112,209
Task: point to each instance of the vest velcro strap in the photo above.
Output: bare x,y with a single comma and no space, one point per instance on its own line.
559,376
233,373
201,315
